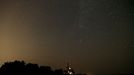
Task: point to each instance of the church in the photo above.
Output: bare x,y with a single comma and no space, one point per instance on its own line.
69,70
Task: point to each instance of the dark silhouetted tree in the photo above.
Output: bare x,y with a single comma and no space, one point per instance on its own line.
21,68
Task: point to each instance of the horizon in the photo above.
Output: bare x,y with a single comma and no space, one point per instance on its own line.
64,69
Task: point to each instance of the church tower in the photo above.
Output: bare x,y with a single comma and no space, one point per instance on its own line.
69,70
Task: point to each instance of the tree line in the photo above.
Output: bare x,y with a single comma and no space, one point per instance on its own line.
21,68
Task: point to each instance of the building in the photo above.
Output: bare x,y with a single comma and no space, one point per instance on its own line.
69,70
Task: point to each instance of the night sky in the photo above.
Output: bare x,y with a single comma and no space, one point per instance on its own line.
93,35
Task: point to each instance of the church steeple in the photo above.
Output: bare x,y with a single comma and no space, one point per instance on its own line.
69,70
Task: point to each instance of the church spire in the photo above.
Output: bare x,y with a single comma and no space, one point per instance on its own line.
69,70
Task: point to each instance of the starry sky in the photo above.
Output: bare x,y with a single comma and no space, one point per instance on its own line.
93,35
